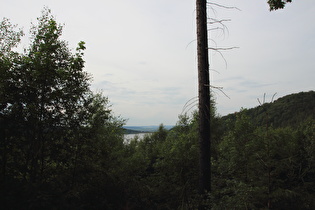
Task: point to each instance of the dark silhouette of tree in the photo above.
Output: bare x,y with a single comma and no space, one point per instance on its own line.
204,97
277,4
56,136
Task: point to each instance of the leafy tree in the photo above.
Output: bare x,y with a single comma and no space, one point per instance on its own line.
9,37
49,91
162,169
277,4
59,141
263,167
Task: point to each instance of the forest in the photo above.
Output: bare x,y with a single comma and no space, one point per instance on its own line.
61,147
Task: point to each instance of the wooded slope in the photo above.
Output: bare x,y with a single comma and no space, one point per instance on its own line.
288,111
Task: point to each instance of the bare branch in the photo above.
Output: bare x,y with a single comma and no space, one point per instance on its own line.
190,103
217,28
221,54
264,99
214,71
273,97
259,101
222,48
221,90
223,27
214,42
214,11
222,6
190,43
218,21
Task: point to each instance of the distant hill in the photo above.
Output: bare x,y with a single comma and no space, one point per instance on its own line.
290,110
144,129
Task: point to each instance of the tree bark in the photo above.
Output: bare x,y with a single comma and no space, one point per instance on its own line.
204,97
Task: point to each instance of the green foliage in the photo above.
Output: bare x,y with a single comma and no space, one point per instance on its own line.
59,141
62,148
49,91
264,167
163,168
9,38
277,4
288,111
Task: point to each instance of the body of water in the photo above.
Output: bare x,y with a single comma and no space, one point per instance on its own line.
140,136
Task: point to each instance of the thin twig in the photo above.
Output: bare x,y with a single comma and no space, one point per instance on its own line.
214,71
222,48
214,21
222,6
259,101
220,54
273,97
220,89
190,43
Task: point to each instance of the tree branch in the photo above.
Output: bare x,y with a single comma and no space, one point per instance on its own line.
222,6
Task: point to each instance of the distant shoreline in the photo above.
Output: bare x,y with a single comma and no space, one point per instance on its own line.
128,137
144,129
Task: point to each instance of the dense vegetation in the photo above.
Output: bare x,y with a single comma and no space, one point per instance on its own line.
288,111
58,139
62,148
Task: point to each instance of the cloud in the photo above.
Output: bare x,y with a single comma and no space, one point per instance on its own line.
137,51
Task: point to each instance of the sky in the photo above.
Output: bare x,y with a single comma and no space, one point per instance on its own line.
142,53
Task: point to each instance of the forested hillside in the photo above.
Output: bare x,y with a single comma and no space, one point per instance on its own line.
290,110
62,148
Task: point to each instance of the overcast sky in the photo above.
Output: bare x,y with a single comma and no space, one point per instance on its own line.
142,53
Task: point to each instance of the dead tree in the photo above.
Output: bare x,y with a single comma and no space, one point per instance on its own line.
204,98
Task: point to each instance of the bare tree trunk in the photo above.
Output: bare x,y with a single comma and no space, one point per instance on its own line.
204,97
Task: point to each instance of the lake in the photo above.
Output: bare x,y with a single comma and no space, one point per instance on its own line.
128,137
